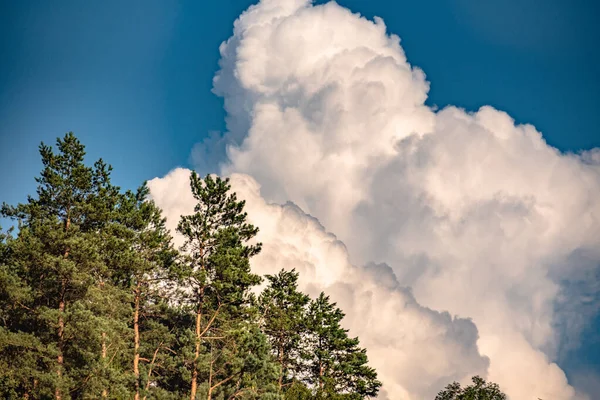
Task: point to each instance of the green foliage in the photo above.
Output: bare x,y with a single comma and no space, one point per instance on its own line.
140,255
56,257
96,303
67,278
335,363
230,354
216,243
298,391
317,358
479,390
283,310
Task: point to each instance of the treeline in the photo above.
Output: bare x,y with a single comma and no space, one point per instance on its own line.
96,302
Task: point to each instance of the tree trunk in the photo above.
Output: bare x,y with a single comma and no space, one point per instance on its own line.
136,342
104,391
150,368
196,355
320,375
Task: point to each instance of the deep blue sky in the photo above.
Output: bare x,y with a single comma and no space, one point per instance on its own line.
133,78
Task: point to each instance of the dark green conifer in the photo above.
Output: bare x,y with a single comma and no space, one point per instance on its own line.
283,310
230,355
139,255
21,352
336,366
96,303
57,258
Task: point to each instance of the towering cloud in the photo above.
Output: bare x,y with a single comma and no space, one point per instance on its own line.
416,350
477,215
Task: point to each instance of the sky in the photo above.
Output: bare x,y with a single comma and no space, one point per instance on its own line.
134,81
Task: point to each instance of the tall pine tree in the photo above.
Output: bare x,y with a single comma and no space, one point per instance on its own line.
21,352
96,303
142,262
336,366
230,355
56,256
317,358
283,311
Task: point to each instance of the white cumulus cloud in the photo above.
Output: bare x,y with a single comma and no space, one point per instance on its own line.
476,215
415,350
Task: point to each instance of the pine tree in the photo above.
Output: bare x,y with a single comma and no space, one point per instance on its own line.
96,303
106,300
20,350
229,355
337,367
283,310
56,256
141,258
